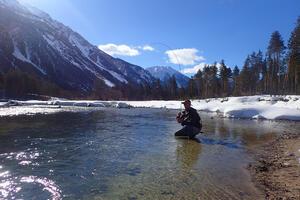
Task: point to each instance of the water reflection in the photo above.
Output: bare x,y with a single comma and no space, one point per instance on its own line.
46,184
235,133
21,187
188,152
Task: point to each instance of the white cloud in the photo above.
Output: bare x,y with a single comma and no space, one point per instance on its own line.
148,48
124,50
184,56
119,50
193,70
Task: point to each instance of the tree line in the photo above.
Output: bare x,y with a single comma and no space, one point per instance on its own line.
22,85
275,72
18,84
147,91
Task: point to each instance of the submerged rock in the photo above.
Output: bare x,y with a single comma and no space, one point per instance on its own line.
122,105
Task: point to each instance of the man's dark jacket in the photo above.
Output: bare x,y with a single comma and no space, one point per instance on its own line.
191,117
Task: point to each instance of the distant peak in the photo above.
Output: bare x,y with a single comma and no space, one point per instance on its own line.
22,7
33,10
10,2
163,68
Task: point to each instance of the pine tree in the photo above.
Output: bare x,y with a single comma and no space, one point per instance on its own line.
264,77
256,64
192,88
275,53
1,85
100,89
245,77
215,87
294,60
210,81
199,83
236,84
157,90
206,81
182,93
1,81
147,91
224,79
172,87
229,77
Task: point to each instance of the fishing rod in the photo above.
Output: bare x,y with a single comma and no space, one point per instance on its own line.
179,115
176,57
169,48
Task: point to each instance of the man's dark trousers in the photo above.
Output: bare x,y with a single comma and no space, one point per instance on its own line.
188,131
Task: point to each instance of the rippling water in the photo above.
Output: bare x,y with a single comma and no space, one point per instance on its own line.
127,154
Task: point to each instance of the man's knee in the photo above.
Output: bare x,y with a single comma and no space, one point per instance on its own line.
177,133
187,131
180,133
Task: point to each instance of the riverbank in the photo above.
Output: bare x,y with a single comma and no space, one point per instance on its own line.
276,170
246,107
274,107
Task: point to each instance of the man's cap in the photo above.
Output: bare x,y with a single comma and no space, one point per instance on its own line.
186,101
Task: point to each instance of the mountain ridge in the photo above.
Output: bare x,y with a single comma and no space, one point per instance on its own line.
33,42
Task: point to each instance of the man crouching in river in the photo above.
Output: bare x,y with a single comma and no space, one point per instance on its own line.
190,120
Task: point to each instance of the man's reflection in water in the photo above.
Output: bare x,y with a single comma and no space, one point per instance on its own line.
188,152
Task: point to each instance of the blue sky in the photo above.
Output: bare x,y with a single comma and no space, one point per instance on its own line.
168,32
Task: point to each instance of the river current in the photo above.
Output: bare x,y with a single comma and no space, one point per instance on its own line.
128,154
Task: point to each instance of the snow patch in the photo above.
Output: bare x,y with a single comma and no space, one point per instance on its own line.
17,54
108,83
85,50
250,107
118,76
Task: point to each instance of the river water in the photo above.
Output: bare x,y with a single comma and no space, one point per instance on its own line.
128,154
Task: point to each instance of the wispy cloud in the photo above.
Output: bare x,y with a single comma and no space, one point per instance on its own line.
200,66
148,48
124,50
119,50
193,70
186,56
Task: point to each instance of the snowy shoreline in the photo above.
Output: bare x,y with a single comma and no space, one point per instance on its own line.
249,107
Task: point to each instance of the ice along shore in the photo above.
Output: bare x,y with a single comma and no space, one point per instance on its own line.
248,107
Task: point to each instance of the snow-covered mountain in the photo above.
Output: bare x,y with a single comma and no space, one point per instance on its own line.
33,42
164,73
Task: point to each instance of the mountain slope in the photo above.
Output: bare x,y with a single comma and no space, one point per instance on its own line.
164,73
33,42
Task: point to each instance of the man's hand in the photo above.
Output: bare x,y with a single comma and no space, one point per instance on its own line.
179,118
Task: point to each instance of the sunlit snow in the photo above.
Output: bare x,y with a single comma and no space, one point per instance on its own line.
250,107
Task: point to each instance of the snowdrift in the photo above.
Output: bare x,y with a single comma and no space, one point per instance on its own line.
250,107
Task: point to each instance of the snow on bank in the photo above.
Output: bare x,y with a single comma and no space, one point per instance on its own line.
251,107
33,107
39,110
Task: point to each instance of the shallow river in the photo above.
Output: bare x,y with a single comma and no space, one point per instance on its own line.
128,154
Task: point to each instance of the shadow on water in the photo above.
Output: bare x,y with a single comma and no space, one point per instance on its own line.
212,141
